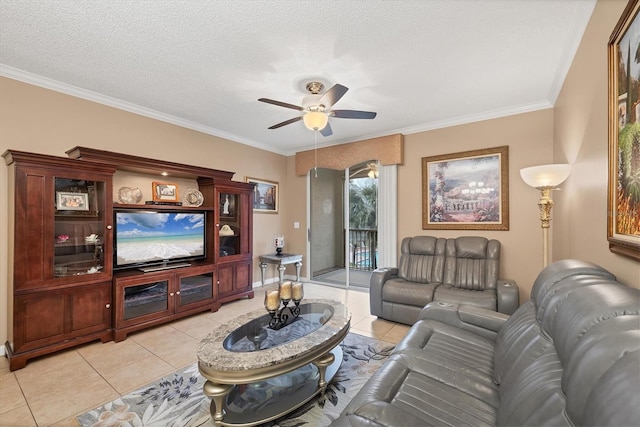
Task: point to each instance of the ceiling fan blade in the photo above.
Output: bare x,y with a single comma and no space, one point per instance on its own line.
281,104
353,114
326,131
333,95
286,122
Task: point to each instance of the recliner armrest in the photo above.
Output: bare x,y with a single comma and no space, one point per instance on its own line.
378,277
483,322
508,296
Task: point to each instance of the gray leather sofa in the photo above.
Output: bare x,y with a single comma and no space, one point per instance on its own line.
463,270
569,356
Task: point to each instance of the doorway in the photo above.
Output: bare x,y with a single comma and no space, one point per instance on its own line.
343,225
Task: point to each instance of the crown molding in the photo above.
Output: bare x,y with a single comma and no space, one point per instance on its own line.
46,83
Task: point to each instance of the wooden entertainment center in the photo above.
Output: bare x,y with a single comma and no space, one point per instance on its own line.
63,289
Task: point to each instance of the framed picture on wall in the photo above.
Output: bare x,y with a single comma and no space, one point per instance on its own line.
623,213
265,195
466,191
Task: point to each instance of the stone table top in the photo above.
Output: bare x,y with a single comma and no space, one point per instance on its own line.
214,357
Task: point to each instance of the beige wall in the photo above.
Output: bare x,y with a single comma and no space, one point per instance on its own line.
574,131
530,140
580,135
43,121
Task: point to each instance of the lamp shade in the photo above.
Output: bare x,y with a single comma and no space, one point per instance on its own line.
315,120
549,176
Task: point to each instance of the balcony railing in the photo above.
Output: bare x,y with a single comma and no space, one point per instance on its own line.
363,249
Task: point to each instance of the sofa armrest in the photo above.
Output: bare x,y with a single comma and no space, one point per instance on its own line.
378,277
508,296
483,322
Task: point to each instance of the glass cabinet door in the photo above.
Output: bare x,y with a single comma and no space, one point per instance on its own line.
195,288
145,299
229,230
79,228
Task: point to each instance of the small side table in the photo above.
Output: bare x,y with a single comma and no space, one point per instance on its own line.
281,261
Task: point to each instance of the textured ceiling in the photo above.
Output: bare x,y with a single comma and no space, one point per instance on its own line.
203,64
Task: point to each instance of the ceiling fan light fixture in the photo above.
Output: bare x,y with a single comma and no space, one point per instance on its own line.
315,120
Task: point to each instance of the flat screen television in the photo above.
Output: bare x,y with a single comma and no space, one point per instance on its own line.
151,237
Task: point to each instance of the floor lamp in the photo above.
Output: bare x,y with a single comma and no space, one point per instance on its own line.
545,178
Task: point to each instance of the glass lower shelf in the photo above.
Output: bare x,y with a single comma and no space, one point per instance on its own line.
64,270
256,403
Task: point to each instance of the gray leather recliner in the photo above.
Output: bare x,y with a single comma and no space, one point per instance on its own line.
569,356
461,270
399,294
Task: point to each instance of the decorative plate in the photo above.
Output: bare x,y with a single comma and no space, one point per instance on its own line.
129,195
192,197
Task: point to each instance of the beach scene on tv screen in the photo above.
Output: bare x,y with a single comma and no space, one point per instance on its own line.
157,236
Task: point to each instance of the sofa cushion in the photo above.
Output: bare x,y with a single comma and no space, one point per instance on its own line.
485,299
422,259
551,280
597,351
569,319
472,262
610,403
454,347
454,357
534,396
398,394
400,291
519,343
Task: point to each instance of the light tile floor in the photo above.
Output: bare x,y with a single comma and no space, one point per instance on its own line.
52,390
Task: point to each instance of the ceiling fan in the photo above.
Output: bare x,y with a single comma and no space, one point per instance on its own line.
316,108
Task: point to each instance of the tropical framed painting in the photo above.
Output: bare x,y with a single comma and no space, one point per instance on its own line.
623,211
265,195
466,191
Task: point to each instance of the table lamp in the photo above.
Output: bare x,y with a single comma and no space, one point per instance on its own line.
279,243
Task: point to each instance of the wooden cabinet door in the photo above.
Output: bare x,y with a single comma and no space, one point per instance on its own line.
90,308
39,320
226,280
243,276
49,317
234,279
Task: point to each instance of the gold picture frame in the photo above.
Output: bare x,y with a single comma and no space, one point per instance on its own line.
466,191
623,198
164,192
265,195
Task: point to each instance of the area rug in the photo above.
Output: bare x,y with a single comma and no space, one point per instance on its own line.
177,400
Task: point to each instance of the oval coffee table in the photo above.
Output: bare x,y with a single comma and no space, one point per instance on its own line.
256,374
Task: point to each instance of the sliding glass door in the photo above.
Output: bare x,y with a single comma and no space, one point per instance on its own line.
343,225
326,233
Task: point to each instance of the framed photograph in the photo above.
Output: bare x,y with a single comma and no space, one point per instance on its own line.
228,206
466,191
623,211
164,192
265,195
72,201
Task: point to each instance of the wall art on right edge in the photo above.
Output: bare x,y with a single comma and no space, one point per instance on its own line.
466,191
623,219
